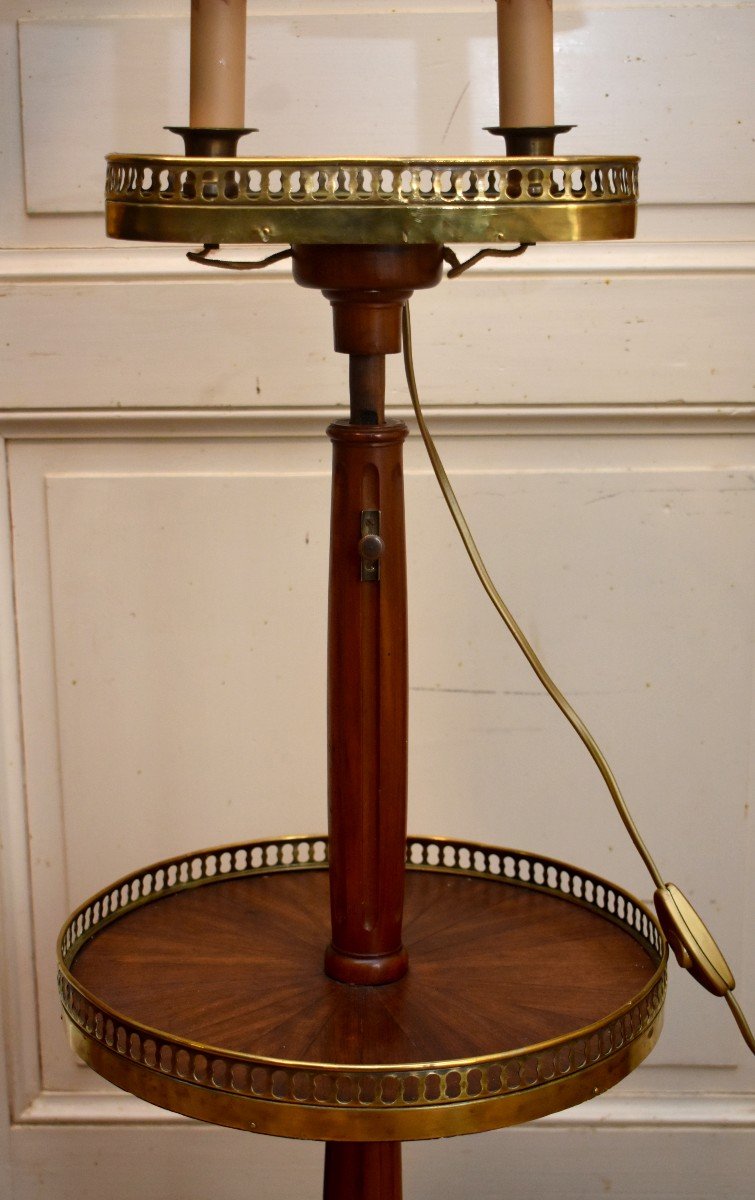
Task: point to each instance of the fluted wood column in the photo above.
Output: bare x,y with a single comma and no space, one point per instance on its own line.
367,651
367,654
367,709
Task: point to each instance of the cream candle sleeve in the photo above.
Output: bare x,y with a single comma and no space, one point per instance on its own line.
525,62
218,64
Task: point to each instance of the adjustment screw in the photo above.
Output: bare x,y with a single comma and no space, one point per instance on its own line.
371,547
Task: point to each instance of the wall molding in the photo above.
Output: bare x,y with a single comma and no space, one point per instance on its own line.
166,264
17,979
447,421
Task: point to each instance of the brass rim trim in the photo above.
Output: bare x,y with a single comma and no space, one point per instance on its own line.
347,1091
318,1124
171,198
373,226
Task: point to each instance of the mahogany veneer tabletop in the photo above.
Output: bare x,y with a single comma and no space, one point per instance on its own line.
238,965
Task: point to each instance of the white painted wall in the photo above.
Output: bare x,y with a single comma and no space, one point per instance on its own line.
163,533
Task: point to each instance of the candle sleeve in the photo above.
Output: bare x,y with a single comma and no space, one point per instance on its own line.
525,62
218,64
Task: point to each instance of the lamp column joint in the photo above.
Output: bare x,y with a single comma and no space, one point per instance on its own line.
367,287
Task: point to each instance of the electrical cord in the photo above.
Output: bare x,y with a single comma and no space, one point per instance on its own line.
692,943
508,618
741,1020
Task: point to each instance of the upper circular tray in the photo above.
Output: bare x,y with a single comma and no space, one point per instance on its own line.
197,984
369,200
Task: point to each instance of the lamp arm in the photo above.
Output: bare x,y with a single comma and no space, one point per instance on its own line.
202,257
457,267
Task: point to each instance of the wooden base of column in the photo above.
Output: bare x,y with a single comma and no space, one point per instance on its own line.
362,1171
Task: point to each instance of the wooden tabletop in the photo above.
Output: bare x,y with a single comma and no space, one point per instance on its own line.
238,965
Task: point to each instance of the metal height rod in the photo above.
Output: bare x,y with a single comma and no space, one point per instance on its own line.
367,388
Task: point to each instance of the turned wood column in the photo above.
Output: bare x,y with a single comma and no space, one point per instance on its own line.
367,706
367,652
362,1171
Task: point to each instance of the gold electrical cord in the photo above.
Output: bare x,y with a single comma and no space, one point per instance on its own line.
508,618
741,1020
676,931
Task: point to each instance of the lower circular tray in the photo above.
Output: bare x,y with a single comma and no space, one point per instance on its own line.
197,984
